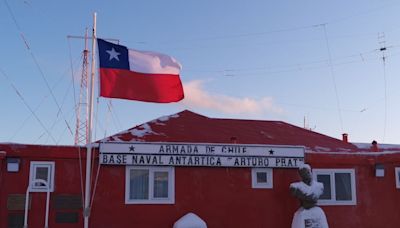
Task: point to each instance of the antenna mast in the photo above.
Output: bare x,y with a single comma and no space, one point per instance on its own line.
382,49
81,132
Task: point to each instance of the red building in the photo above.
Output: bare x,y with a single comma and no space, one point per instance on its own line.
231,173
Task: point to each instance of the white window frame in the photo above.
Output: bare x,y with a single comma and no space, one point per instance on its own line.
331,173
397,174
151,200
50,176
269,173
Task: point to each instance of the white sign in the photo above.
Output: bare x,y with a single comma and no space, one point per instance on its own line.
199,154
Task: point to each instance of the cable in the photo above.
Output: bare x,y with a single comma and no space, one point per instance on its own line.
38,106
81,174
27,105
95,185
62,104
51,92
361,13
333,77
36,62
232,36
96,118
114,117
95,133
382,49
317,64
385,85
334,21
12,15
385,93
317,107
107,118
72,68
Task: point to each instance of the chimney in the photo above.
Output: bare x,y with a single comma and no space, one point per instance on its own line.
374,146
345,137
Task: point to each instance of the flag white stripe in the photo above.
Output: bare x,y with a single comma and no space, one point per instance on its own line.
152,63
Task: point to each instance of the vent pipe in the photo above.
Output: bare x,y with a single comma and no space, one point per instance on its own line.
374,146
345,137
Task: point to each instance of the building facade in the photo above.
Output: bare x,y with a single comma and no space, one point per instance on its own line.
230,173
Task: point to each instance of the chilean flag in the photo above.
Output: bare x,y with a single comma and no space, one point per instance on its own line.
138,75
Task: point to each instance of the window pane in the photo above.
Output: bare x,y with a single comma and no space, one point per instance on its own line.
139,184
43,174
160,185
398,176
343,186
262,177
326,180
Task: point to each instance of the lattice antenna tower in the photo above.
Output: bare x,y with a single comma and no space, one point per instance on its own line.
81,132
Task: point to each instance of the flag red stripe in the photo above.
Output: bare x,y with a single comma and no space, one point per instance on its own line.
125,84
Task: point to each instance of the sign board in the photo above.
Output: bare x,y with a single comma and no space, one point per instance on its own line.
200,154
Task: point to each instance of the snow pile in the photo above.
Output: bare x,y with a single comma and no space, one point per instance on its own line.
190,220
344,149
320,148
363,145
116,139
267,135
162,119
380,146
311,218
146,130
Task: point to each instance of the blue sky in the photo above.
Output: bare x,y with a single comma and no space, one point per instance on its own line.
267,60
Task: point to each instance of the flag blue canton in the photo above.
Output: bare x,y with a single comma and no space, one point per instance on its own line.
112,55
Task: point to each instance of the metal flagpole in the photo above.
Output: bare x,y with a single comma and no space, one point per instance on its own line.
86,210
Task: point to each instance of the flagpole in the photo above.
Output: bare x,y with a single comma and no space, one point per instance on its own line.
86,209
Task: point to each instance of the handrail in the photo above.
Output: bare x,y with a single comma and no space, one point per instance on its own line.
46,221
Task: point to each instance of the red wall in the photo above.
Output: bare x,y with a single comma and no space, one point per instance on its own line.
378,199
223,197
66,181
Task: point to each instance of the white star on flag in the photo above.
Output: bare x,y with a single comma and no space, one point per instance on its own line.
113,54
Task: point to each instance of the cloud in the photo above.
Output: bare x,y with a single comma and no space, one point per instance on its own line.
197,97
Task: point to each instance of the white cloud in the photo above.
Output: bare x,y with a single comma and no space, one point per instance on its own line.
197,97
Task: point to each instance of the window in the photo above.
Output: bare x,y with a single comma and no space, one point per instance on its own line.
261,178
397,175
41,171
149,185
339,186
